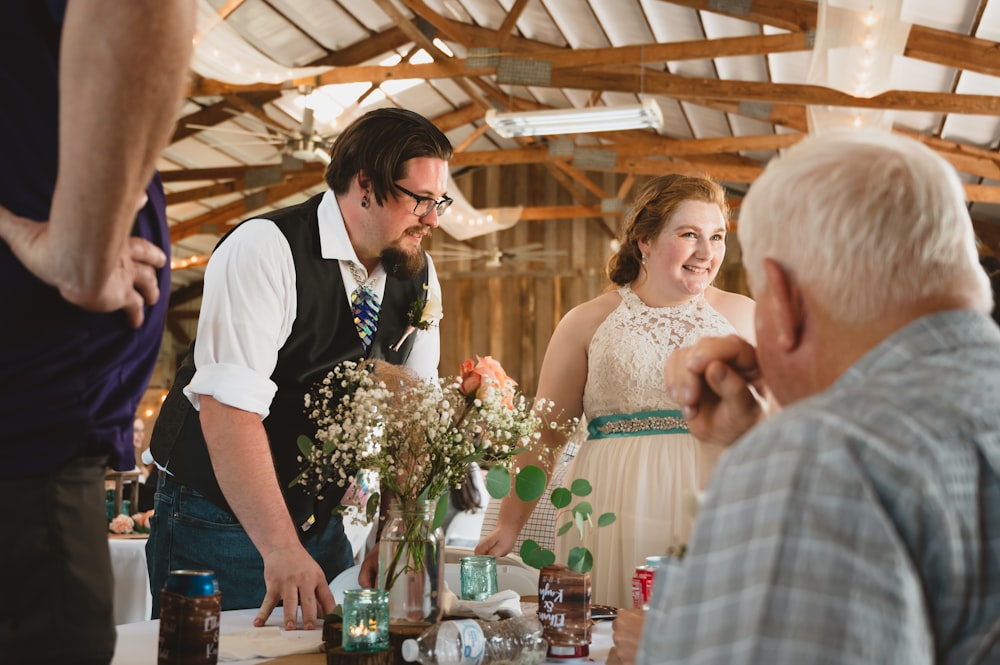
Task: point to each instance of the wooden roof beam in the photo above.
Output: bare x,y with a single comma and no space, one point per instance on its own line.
671,85
928,44
218,220
560,58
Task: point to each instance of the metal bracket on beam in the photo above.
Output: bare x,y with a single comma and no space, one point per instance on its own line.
426,28
734,7
523,71
478,58
561,147
264,176
759,110
615,205
255,201
595,159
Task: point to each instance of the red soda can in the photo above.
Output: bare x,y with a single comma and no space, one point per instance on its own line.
642,585
189,618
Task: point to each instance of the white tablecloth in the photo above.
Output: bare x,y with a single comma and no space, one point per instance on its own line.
137,641
133,602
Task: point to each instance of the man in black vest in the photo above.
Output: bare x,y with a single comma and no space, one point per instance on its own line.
281,300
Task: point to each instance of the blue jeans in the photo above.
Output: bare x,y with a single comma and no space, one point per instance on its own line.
189,531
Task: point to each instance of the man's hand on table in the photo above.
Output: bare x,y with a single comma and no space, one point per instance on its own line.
295,579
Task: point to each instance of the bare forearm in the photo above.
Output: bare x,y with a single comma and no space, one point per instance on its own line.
120,90
241,459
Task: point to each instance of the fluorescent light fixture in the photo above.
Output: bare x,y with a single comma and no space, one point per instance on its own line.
576,121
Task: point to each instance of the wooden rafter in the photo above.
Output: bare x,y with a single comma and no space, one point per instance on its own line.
924,43
622,69
220,219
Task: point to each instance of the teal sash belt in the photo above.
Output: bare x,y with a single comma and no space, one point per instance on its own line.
631,424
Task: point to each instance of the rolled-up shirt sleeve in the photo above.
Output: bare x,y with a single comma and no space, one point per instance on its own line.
247,311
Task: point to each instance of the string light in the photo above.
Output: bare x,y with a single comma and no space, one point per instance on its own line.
189,262
869,19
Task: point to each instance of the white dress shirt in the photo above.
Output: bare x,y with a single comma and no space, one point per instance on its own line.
249,304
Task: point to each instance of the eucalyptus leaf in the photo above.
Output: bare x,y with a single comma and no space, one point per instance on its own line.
579,521
441,510
539,558
583,509
581,487
305,445
606,519
564,528
373,505
527,547
561,497
580,559
530,483
498,482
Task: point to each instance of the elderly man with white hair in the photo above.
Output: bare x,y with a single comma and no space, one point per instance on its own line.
860,522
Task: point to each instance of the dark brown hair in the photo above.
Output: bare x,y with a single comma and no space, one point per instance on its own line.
380,143
652,209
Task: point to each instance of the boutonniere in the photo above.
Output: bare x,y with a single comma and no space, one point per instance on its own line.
422,314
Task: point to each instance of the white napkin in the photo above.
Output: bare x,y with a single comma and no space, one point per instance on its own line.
269,642
501,605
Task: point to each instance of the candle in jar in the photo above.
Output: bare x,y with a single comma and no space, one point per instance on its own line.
366,620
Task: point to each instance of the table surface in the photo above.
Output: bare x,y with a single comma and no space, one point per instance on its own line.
137,642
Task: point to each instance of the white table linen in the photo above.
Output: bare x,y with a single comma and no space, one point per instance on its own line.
137,642
133,601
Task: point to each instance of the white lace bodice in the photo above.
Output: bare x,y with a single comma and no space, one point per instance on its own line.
628,351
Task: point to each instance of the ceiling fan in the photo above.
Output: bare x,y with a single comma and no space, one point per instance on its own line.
303,143
495,257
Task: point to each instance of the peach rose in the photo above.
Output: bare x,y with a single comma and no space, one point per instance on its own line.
121,524
485,372
470,379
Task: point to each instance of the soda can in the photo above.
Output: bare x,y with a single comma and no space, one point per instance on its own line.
642,585
189,618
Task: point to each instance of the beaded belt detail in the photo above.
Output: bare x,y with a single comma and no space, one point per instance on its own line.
643,422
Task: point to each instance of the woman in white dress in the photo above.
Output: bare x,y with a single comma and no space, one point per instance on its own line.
606,359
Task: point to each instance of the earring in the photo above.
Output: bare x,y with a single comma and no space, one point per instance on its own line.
364,201
643,259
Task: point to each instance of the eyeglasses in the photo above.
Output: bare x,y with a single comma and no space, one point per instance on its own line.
425,203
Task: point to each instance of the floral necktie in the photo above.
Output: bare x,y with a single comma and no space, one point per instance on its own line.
365,306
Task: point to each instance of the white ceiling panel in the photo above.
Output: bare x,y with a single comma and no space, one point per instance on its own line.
755,98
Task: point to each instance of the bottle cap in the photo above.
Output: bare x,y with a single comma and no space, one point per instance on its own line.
410,650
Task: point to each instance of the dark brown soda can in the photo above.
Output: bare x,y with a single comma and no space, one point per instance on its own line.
189,618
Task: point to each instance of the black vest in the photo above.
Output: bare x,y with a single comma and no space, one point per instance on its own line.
322,336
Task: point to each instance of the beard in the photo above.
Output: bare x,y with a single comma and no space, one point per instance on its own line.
401,264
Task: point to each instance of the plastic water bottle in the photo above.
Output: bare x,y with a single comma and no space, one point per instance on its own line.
516,641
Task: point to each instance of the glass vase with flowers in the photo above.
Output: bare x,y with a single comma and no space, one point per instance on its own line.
418,437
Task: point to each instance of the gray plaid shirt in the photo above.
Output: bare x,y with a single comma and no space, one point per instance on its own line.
861,525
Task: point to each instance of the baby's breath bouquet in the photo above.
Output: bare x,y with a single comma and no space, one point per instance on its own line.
417,436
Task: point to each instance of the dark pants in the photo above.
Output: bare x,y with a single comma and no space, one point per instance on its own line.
189,531
55,568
